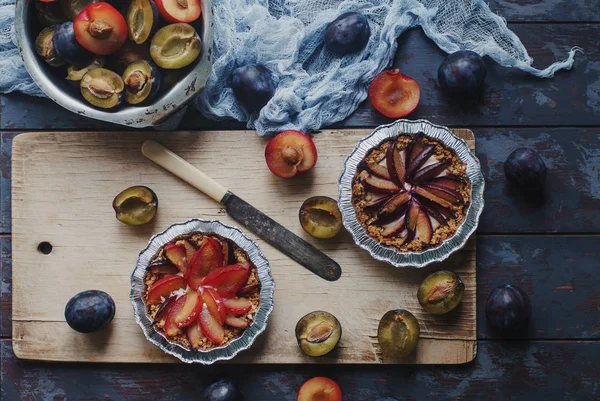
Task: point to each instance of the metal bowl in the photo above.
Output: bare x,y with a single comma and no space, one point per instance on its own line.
52,80
392,255
238,344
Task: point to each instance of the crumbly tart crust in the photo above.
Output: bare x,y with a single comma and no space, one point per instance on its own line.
230,332
363,197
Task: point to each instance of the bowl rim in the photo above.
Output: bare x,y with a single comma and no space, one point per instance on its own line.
411,258
132,115
238,344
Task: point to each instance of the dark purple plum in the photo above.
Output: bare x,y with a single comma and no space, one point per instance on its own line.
67,46
508,308
348,33
462,73
253,86
222,390
525,169
89,311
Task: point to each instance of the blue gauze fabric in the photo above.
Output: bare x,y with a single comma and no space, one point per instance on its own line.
314,87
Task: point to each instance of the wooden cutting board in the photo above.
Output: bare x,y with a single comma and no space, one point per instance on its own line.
63,185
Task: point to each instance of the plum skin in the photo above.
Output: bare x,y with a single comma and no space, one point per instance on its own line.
67,46
348,33
89,311
508,308
462,73
253,86
222,390
525,169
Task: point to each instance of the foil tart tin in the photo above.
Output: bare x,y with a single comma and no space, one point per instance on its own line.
238,344
391,255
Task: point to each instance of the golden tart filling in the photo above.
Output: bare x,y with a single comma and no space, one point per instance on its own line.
411,192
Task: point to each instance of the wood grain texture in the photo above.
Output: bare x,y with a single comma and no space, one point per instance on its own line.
547,10
63,185
511,97
5,287
509,370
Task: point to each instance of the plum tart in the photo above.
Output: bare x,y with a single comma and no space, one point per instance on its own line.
201,291
411,192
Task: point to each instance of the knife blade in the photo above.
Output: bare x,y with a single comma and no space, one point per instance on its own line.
262,225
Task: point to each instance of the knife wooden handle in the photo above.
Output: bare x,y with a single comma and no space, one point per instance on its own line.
182,169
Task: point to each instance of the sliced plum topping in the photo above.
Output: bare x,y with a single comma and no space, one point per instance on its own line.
175,46
163,287
378,167
237,306
100,28
417,154
164,309
214,303
447,194
450,182
379,185
211,327
190,249
433,212
236,322
395,164
205,260
430,171
394,205
395,227
424,229
248,290
393,94
428,194
411,218
228,280
376,200
163,267
194,334
176,253
190,309
171,329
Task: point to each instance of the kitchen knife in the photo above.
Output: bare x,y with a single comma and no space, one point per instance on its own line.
256,221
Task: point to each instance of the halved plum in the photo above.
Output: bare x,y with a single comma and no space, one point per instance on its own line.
237,306
177,254
393,94
135,205
45,48
142,19
141,80
320,389
163,287
102,88
206,259
75,72
100,28
179,10
320,217
66,45
228,280
289,153
175,46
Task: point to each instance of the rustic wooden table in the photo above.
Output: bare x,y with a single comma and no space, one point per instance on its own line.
548,246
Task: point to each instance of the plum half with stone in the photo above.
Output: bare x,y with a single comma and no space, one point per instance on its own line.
175,46
398,333
462,73
320,389
102,88
142,80
135,205
320,217
290,153
348,33
440,292
179,10
44,47
100,28
394,94
525,169
253,86
318,333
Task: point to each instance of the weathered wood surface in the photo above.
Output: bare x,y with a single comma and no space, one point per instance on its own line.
547,10
569,203
63,185
510,98
559,272
510,370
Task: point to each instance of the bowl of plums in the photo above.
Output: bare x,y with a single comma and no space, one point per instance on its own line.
129,62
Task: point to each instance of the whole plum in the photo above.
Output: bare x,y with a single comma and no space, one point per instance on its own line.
525,169
462,73
222,390
67,46
348,33
89,311
253,86
508,308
